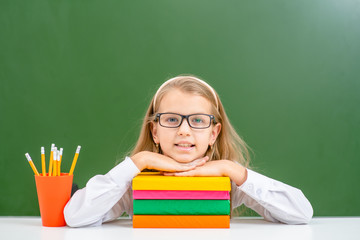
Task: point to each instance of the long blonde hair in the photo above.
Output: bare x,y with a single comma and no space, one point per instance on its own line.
228,145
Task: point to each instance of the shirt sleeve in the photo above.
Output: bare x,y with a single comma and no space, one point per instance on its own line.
274,200
104,198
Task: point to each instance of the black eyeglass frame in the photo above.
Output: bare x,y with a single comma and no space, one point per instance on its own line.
212,119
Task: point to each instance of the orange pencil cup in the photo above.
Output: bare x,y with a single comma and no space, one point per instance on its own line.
53,194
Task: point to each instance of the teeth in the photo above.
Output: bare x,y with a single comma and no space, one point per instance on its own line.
184,145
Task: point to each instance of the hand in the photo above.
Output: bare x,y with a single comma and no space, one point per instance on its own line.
210,169
161,162
216,168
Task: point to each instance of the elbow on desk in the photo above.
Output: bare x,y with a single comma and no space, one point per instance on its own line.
70,216
302,212
71,220
307,212
75,222
77,216
298,214
308,215
303,217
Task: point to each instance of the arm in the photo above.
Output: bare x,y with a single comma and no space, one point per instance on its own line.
104,198
274,200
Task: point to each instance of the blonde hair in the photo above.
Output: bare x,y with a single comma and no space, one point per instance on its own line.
228,144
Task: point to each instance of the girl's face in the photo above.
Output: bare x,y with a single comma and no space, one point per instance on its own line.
184,144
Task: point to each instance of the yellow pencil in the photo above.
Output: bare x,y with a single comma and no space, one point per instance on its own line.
32,164
59,168
55,162
74,160
43,161
51,159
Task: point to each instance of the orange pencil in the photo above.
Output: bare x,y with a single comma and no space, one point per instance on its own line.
31,164
74,160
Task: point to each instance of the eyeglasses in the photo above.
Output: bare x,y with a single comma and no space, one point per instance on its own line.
174,120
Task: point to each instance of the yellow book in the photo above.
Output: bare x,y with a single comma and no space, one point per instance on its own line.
156,181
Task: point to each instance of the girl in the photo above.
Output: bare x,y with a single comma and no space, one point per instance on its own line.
186,132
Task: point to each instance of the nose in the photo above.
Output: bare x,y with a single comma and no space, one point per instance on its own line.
184,128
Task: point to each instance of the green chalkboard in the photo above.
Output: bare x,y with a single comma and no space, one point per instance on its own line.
83,72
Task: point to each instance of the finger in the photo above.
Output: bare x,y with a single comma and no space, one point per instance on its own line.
177,174
190,173
168,173
200,161
173,166
184,168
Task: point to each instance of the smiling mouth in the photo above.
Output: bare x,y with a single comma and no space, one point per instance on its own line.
185,145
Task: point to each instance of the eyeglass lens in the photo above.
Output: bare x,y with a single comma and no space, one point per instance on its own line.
175,120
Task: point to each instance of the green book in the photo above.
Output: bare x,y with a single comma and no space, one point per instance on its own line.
181,207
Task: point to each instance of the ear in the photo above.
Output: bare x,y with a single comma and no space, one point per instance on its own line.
153,129
215,133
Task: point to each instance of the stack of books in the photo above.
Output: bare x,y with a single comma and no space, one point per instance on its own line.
180,202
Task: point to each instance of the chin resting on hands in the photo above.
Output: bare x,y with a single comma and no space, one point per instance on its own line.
216,168
156,161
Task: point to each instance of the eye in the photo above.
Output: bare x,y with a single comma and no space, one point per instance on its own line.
198,120
171,120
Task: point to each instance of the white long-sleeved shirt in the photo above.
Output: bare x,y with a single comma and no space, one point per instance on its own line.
106,197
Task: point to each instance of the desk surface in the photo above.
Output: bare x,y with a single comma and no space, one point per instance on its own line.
29,228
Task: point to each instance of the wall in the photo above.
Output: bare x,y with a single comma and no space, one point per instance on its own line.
83,72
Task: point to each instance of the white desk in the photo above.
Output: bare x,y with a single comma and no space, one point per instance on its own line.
28,228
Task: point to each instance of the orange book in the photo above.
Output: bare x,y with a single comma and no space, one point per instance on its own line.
181,221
